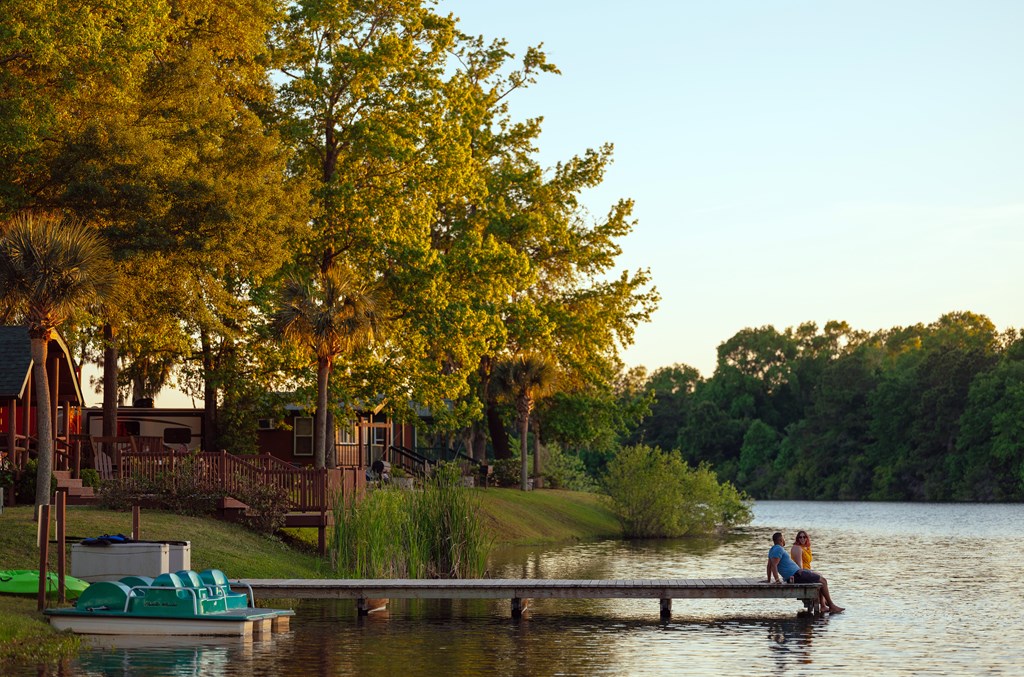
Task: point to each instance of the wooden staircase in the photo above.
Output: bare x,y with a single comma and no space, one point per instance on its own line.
77,494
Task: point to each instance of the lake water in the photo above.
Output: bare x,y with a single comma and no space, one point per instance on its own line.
929,589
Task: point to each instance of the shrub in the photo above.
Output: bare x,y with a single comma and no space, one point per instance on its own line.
121,493
25,485
90,478
507,471
567,471
268,505
6,472
657,495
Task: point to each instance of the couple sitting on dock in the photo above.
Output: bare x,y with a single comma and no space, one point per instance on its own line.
782,567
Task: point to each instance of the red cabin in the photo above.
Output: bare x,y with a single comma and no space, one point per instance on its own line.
18,416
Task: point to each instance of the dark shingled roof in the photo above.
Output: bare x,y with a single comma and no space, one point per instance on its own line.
16,362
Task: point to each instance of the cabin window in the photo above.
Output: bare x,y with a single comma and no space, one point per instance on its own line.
266,424
303,430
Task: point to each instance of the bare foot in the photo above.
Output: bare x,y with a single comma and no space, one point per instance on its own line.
836,609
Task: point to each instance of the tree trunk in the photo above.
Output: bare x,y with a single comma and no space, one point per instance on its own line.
536,449
477,442
209,393
109,381
496,427
331,449
44,432
524,462
323,372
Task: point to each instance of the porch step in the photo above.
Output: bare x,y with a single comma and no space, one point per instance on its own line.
83,500
308,519
77,494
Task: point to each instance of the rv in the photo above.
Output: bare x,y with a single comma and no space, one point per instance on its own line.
179,429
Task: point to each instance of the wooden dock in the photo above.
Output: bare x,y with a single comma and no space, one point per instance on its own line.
519,590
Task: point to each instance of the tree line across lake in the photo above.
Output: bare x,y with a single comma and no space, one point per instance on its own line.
921,413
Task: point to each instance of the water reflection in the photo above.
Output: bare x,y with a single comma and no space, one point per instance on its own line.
791,640
115,656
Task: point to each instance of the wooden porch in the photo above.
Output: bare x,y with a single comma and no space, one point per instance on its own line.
311,493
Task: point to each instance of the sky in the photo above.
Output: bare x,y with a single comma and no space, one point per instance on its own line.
790,161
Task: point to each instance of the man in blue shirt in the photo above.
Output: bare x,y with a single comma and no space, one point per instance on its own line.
782,567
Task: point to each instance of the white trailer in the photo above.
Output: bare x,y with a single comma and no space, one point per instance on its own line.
178,428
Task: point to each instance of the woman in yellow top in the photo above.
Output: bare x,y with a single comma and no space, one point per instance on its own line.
801,550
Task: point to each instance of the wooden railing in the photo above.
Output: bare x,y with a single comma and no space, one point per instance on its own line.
408,460
307,489
473,467
348,454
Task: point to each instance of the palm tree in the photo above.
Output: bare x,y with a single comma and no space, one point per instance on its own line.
50,267
332,314
525,378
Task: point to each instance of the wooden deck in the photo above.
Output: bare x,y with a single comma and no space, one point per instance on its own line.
518,590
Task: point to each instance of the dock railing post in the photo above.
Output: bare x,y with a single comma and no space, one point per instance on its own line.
62,502
44,551
136,522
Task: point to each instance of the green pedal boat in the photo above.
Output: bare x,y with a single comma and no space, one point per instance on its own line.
182,603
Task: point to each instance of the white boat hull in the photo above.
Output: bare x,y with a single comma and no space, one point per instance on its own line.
126,625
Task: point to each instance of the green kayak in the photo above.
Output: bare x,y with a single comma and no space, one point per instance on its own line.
26,582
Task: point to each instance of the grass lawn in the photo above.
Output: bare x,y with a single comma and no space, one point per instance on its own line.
514,517
517,517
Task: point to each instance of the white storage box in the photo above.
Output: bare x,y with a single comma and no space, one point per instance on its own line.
115,561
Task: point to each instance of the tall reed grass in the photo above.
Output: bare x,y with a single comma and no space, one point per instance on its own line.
431,533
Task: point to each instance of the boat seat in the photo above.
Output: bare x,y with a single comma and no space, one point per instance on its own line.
169,581
190,579
104,596
215,580
138,582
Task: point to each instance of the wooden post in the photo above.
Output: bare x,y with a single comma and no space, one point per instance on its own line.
12,431
62,502
27,402
666,608
53,374
136,522
44,552
518,607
